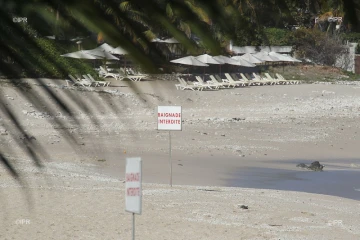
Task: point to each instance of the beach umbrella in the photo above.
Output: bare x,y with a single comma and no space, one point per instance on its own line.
101,54
248,57
226,60
265,57
119,51
79,54
243,62
189,60
105,47
205,58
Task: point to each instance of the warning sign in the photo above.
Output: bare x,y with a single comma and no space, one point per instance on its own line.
169,118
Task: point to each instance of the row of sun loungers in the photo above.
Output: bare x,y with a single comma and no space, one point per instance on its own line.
232,80
85,81
128,73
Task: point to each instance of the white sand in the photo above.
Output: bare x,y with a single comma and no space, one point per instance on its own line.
78,197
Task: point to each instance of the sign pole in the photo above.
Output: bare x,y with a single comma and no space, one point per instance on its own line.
170,162
133,227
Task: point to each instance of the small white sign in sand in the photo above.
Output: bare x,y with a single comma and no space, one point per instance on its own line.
169,118
133,192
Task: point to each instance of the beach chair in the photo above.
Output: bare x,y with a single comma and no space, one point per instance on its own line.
223,83
184,85
209,85
287,81
251,82
132,75
136,72
275,80
104,74
78,81
231,80
96,83
236,78
105,83
264,81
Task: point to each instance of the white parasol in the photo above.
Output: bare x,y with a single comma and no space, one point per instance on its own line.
248,57
243,62
189,60
79,54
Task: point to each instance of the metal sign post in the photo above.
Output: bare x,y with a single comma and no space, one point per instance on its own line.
170,118
170,162
133,226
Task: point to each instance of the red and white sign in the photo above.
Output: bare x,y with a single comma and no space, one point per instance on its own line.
133,191
169,118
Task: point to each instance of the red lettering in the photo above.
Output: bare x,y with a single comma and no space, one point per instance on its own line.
132,177
133,192
177,115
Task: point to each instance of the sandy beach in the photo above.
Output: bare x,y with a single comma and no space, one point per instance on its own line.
238,146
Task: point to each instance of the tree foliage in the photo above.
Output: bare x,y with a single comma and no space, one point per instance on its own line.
317,46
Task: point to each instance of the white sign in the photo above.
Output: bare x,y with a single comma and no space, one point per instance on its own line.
133,192
169,118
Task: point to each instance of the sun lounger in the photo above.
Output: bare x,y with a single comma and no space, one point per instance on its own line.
78,81
264,81
287,81
184,85
236,78
132,75
251,82
96,83
135,72
231,80
207,84
223,83
104,74
275,80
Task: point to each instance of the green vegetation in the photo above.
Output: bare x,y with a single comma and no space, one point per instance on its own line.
277,37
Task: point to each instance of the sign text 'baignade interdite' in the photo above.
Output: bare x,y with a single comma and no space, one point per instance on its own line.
169,118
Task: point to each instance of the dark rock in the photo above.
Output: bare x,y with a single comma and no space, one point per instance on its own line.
243,207
238,119
314,166
302,165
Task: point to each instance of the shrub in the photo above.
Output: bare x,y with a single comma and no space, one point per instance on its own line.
317,46
276,37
